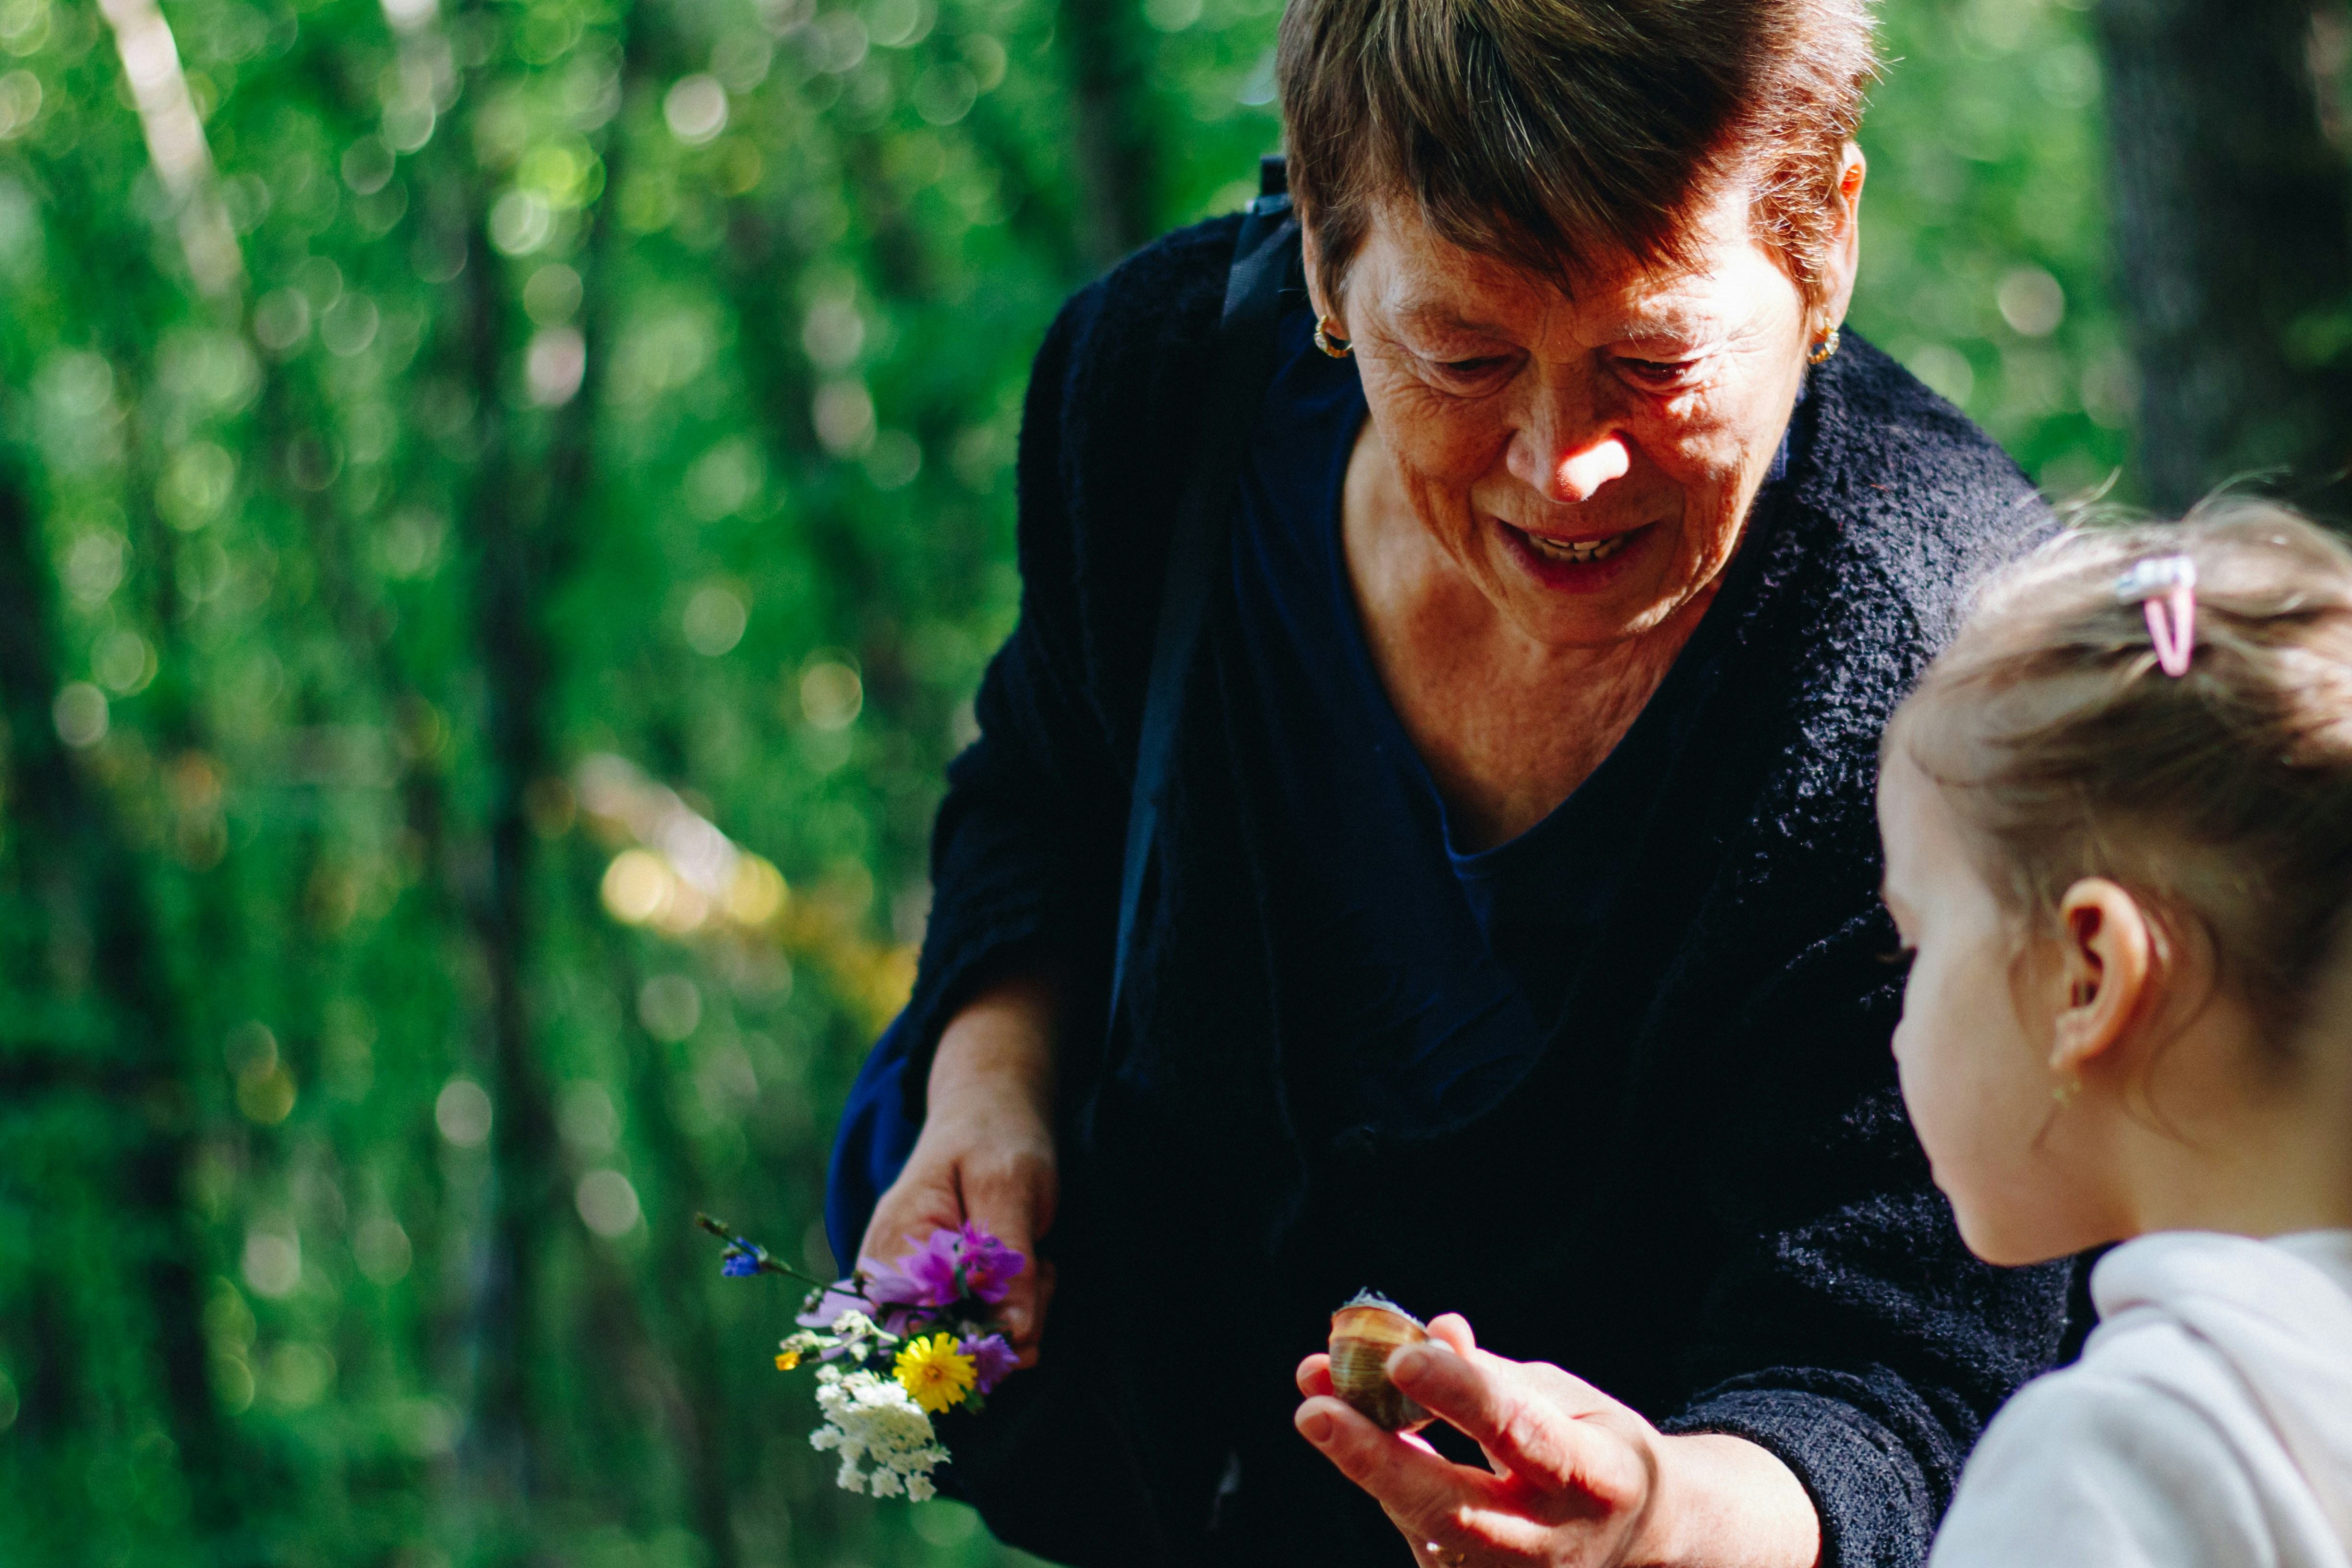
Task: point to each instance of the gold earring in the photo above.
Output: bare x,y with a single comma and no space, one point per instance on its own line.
2065,1090
1329,341
1824,348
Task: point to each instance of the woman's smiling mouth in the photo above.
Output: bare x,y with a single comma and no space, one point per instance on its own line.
1576,566
1583,552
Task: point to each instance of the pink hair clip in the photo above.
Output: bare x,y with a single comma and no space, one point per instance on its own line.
2161,584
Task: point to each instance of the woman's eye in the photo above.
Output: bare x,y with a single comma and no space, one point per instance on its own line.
1659,372
1481,368
1900,958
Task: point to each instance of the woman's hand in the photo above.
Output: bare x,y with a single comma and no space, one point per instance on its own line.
986,1149
1578,1481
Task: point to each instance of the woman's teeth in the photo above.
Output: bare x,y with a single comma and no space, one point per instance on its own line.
1581,551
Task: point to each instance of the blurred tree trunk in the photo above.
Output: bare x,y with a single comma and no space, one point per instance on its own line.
83,870
1118,165
2233,218
523,522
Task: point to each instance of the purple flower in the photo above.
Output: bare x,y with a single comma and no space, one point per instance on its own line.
887,1286
991,1357
931,1269
989,1265
740,1266
956,1265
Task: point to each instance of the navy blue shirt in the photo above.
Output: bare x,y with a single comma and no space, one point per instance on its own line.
1450,966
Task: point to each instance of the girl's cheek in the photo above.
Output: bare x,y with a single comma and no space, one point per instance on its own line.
1921,1068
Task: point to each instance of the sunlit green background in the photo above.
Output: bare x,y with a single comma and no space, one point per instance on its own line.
514,481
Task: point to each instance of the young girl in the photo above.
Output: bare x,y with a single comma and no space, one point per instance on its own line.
2119,825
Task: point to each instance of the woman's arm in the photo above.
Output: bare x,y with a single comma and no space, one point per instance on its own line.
1578,1481
1026,852
986,1152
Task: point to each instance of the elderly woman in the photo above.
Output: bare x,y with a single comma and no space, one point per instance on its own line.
1507,938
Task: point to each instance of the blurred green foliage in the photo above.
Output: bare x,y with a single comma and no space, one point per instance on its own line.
1986,257
491,394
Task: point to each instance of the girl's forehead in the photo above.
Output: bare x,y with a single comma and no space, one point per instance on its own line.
1921,835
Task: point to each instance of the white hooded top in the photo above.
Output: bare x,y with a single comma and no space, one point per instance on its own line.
2209,1424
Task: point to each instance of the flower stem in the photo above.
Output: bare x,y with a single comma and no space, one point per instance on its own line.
767,1262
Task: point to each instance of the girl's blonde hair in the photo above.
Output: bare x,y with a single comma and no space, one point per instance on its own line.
2221,798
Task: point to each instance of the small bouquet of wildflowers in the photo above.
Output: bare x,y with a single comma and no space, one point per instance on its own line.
895,1345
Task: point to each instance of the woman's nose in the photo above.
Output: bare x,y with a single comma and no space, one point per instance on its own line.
1577,475
1571,474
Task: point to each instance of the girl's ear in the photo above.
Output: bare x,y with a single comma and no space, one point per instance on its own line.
2108,952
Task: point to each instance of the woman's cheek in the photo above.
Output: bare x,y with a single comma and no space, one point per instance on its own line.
1444,444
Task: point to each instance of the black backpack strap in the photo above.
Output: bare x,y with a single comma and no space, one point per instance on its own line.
1245,351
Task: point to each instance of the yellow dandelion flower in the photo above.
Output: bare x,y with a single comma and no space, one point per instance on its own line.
935,1372
789,1359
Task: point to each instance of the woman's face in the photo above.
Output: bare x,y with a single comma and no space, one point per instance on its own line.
1586,457
1974,1045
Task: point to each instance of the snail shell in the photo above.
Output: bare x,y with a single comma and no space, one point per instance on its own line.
1363,1333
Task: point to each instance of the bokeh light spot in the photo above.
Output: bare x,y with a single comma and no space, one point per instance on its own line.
552,294
585,1116
2030,301
462,1112
555,365
670,1006
638,886
123,662
844,416
832,694
715,619
521,222
80,714
272,1262
756,893
608,1203
695,108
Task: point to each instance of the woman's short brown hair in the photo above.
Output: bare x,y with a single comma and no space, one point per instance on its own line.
1556,135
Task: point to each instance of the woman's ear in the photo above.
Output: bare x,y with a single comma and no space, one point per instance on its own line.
2108,949
1843,258
1310,256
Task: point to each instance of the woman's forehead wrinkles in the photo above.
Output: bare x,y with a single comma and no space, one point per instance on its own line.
1624,315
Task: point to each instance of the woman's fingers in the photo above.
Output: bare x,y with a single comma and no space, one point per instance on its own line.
997,1172
1532,1431
922,1199
1468,1515
1417,1486
1012,1196
1315,1376
1454,1330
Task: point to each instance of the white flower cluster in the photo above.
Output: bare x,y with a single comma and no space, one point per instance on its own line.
852,1332
873,1420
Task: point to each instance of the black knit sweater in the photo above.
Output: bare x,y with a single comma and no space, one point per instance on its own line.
1706,1199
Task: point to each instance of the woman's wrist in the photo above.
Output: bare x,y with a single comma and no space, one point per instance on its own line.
1721,1501
997,1053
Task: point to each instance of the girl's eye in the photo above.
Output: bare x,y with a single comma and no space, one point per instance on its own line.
1900,958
